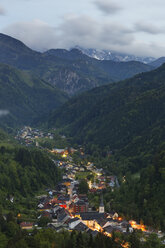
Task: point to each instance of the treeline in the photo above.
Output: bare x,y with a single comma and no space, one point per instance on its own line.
24,172
142,198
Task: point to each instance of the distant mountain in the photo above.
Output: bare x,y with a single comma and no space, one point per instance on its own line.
14,52
70,75
158,62
127,116
26,97
73,54
123,70
71,71
114,56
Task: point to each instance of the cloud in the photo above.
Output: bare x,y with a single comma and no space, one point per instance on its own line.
116,35
85,31
36,34
2,10
3,112
107,7
81,30
148,28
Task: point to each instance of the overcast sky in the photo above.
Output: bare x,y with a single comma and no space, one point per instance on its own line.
135,27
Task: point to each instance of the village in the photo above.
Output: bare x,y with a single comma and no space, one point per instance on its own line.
28,136
65,207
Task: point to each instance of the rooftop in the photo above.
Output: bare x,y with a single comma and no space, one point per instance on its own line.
92,216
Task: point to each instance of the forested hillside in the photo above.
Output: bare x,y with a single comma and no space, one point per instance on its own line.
128,116
25,96
24,172
143,198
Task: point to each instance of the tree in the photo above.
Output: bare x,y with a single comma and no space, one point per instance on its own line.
43,221
153,241
3,240
83,187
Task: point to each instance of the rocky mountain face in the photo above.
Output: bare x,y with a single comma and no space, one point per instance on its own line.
71,71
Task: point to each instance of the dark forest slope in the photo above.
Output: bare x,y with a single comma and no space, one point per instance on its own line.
127,116
26,97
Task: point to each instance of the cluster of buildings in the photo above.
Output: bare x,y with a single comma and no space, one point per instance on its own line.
99,180
63,152
66,209
64,213
29,136
70,168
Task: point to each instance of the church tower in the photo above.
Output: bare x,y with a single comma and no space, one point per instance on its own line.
101,207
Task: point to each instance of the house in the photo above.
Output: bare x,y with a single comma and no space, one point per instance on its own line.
62,215
87,216
26,225
75,198
61,188
64,198
113,215
63,152
81,227
74,222
102,222
58,227
80,206
91,219
47,206
58,151
56,208
64,177
66,182
112,222
109,229
40,205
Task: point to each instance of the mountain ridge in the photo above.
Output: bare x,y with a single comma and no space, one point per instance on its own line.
71,71
102,54
158,62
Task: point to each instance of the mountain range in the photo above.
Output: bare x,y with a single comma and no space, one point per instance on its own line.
114,56
33,83
71,71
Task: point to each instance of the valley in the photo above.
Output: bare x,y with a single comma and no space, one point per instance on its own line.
82,151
